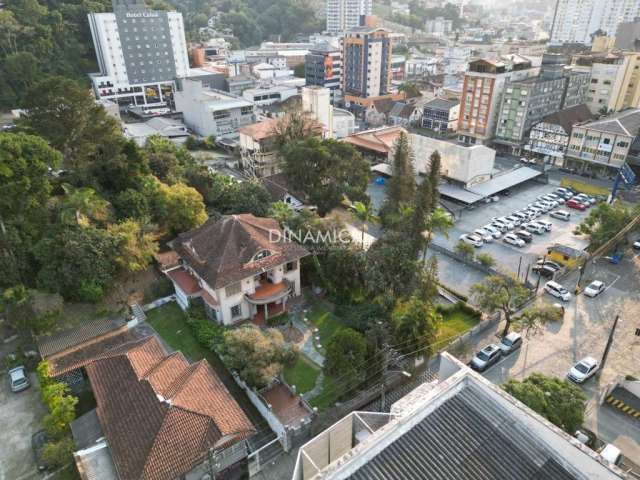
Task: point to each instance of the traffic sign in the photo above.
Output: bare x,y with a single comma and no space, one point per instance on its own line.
628,176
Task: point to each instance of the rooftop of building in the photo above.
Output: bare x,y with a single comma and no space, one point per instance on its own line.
441,103
626,122
568,117
458,427
226,251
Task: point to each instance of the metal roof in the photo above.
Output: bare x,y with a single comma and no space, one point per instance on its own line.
468,437
459,193
504,181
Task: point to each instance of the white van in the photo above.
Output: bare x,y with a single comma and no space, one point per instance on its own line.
557,290
611,454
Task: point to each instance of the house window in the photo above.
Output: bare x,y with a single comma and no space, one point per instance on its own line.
261,254
233,289
291,266
236,311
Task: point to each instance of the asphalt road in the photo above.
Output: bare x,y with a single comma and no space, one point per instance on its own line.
584,332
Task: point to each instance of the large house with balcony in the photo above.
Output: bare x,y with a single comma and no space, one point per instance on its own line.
241,267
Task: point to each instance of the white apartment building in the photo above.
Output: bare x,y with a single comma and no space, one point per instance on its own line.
140,53
575,20
343,15
212,112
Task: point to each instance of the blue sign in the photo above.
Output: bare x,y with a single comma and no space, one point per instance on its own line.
628,176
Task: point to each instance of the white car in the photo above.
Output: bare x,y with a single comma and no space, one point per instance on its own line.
556,198
534,227
514,220
513,239
583,370
547,225
18,379
471,240
557,290
486,236
636,245
594,289
510,343
493,231
561,214
505,222
611,454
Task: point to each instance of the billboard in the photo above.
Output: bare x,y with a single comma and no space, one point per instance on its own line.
328,67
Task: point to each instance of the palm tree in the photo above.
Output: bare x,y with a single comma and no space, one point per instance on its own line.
363,212
438,221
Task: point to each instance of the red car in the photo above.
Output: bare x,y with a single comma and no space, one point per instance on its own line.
576,205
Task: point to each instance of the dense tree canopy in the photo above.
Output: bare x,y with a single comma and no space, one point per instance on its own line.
558,400
326,170
346,354
499,293
604,221
415,325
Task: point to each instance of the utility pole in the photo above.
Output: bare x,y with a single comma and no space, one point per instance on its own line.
519,265
609,342
385,365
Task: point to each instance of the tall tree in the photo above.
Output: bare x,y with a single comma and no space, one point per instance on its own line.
533,319
65,114
364,213
402,184
179,207
345,357
498,293
415,325
558,400
135,245
604,221
326,170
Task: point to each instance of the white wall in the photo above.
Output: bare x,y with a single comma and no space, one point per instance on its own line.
468,165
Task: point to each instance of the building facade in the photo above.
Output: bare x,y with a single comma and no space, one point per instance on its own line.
212,112
441,115
241,266
527,102
576,20
140,53
482,89
342,15
549,138
366,54
604,145
323,67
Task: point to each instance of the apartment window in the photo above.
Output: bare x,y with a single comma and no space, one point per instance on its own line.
594,80
607,82
291,266
221,114
246,110
234,289
623,144
236,311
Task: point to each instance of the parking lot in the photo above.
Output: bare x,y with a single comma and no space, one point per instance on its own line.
20,417
583,332
508,257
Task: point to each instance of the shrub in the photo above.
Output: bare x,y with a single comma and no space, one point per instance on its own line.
208,333
486,260
60,453
465,250
90,291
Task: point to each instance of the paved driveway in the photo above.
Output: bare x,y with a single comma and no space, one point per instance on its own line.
20,417
584,332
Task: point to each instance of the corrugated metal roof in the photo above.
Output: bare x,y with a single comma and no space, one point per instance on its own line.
504,181
468,437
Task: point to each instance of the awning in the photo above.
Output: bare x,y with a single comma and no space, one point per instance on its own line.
382,168
458,193
504,181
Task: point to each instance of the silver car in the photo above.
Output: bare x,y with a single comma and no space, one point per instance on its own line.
510,343
19,379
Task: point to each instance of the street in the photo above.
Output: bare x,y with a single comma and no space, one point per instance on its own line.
583,332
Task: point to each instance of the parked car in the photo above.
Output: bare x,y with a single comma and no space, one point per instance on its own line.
561,215
595,288
510,343
534,227
576,205
547,225
486,357
611,454
544,271
19,379
564,192
486,237
500,226
558,291
586,199
636,245
535,212
495,232
524,235
513,239
524,217
504,221
556,198
582,201
549,263
583,370
514,220
471,240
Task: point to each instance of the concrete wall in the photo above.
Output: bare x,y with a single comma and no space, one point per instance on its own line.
468,165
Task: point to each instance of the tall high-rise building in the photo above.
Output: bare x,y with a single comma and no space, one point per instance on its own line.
343,15
484,84
366,57
323,67
575,21
140,53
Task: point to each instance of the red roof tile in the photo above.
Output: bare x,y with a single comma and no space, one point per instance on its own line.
187,283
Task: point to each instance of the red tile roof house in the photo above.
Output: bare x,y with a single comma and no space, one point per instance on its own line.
158,418
241,266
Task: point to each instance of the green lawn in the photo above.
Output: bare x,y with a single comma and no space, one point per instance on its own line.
455,322
327,397
302,374
321,318
169,321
